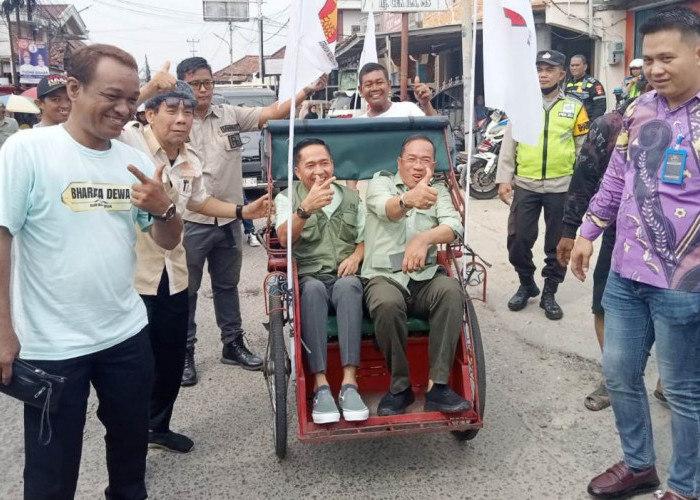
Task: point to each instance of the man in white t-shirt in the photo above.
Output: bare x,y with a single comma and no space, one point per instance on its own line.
375,88
71,198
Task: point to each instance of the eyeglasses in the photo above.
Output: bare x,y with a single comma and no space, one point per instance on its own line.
207,84
174,102
424,162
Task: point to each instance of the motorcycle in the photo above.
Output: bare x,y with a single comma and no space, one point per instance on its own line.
484,163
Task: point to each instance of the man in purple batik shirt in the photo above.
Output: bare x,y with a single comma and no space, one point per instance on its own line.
652,189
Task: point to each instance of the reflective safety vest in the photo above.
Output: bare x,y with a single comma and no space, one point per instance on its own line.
555,154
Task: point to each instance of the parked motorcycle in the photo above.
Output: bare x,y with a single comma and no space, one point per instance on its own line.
484,163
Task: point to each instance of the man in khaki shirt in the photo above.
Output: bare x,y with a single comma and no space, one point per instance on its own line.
407,217
8,126
216,138
161,275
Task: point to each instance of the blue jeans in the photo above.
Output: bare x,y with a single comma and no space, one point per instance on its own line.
636,316
248,227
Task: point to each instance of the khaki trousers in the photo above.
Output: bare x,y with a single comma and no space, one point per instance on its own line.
440,300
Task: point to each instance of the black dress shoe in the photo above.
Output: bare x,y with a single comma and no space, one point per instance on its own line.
550,306
518,301
170,441
189,374
236,353
395,404
442,398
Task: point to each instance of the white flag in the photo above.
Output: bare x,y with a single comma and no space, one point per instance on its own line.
369,48
313,32
510,73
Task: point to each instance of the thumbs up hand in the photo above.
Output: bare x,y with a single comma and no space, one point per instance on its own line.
422,92
422,196
148,193
161,82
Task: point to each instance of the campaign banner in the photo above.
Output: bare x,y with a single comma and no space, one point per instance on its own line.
33,60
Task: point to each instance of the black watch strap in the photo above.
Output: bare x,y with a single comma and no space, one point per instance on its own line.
239,212
303,214
168,214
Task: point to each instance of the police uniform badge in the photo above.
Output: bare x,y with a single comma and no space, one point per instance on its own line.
568,110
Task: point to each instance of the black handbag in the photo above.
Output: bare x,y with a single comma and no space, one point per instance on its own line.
35,387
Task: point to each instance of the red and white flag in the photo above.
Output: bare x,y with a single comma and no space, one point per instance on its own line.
310,51
510,73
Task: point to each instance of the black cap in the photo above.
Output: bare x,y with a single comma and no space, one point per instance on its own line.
50,84
551,57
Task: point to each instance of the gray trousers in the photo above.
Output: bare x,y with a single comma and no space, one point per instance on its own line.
221,247
319,294
440,300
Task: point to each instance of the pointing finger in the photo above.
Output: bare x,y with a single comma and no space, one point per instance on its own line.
416,80
138,174
158,174
328,182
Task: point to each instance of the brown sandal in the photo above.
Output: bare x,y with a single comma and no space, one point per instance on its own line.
598,399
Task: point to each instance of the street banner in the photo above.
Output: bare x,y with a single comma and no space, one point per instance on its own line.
33,60
369,47
405,5
510,73
313,33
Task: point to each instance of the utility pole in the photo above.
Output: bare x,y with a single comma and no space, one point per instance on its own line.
147,71
403,76
260,37
228,42
192,49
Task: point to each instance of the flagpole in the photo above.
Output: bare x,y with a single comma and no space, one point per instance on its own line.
290,213
469,32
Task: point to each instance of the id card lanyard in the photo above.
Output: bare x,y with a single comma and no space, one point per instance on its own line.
674,163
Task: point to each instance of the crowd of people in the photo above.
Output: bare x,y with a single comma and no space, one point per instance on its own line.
106,233
630,175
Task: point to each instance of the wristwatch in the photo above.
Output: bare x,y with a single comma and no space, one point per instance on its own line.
402,203
168,214
303,214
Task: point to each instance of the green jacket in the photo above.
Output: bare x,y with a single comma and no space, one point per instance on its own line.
384,237
555,154
326,242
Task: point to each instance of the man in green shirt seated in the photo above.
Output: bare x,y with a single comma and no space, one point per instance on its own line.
407,217
327,236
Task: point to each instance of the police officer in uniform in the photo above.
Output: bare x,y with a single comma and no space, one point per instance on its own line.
585,88
531,178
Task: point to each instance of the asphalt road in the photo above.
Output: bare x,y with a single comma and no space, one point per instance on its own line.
539,441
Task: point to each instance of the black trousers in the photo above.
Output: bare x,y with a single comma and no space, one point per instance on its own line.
167,322
121,376
522,232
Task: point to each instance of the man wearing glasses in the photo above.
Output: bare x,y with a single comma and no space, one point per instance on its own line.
161,276
216,138
407,217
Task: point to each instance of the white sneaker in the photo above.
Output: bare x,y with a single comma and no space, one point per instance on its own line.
253,240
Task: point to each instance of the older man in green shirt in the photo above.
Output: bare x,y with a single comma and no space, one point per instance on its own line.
407,217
